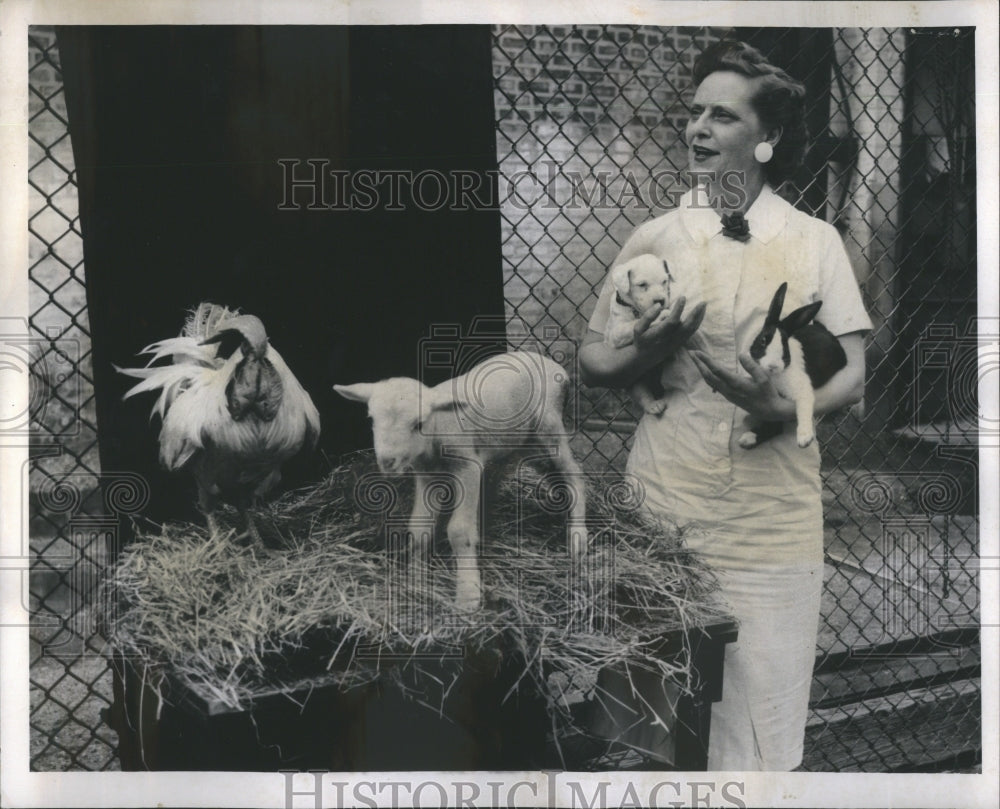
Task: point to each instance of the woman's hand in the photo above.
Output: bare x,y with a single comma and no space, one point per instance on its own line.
756,394
660,332
657,336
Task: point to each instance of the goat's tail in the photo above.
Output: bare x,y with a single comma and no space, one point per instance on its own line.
562,399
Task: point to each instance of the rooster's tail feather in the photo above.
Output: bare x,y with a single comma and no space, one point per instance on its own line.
189,358
183,350
207,319
171,380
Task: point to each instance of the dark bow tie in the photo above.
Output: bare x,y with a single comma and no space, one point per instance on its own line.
735,226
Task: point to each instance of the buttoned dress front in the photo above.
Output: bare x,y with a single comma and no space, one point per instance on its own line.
754,515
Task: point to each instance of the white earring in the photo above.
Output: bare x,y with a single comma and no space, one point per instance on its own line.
763,152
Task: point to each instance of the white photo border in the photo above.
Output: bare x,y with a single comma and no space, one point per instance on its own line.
21,788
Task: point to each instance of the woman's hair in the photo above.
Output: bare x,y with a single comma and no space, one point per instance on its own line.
779,101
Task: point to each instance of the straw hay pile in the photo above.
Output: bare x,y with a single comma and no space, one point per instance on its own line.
230,621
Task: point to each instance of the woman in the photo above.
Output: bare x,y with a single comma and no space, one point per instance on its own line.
757,513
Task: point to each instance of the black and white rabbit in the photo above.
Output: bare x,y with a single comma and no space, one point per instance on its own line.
800,355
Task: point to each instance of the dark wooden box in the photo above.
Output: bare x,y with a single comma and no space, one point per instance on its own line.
487,719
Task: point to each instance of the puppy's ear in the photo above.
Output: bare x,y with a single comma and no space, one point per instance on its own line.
620,278
666,269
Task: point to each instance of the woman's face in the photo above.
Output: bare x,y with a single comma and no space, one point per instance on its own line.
724,127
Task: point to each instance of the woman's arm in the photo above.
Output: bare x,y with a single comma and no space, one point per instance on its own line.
658,335
758,396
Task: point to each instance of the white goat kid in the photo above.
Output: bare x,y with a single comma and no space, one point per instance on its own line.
507,404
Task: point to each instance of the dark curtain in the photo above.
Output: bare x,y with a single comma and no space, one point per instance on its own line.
177,133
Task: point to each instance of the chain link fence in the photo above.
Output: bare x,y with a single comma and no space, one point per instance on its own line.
589,121
70,682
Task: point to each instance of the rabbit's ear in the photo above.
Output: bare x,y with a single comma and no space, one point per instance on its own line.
800,317
619,277
774,313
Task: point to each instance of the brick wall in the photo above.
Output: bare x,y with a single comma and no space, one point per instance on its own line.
577,106
595,73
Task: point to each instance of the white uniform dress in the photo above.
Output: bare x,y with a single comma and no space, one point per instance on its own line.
757,513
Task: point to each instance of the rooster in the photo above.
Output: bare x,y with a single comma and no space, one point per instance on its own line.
231,410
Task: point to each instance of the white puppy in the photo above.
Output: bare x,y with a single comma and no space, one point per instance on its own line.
639,283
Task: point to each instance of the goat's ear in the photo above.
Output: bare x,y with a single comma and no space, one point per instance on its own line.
444,400
801,317
358,392
619,277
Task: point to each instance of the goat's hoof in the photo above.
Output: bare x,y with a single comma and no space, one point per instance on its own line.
805,439
656,407
748,440
468,596
466,604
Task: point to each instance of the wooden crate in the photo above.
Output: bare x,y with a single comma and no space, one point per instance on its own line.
488,719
